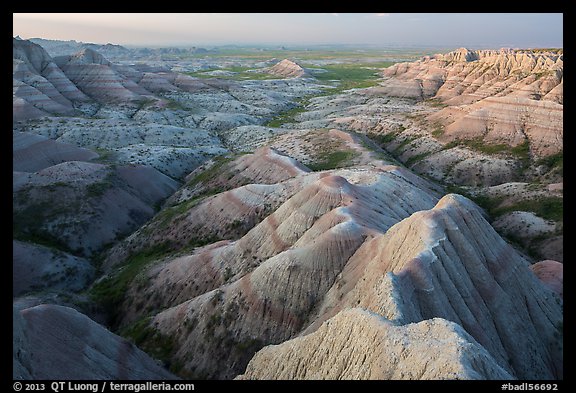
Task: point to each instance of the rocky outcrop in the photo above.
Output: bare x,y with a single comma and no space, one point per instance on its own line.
39,83
59,343
550,273
504,96
173,150
99,79
261,288
194,216
312,262
357,344
287,69
510,120
84,56
142,114
468,76
448,262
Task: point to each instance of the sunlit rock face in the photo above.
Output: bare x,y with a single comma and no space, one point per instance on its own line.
504,96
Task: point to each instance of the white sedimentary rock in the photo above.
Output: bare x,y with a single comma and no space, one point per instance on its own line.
357,344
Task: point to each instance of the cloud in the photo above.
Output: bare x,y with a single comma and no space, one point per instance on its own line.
382,14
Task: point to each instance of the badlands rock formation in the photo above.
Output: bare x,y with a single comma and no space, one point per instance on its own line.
317,254
500,96
40,87
474,119
151,115
195,216
357,344
321,252
287,69
98,79
59,343
446,262
552,274
82,206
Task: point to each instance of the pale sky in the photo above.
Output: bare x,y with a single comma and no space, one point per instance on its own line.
472,30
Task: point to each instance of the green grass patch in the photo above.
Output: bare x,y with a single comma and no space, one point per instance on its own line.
549,207
212,172
333,160
99,188
348,76
96,190
521,151
352,75
104,156
438,130
150,340
111,291
416,158
436,103
553,162
404,143
166,216
289,115
383,139
174,105
239,74
28,222
38,236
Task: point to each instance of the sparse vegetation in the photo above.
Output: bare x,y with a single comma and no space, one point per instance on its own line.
520,152
166,216
234,73
211,172
416,158
174,105
438,130
332,160
28,224
105,155
347,75
436,103
409,139
352,75
550,208
547,207
98,189
383,139
110,292
150,340
554,162
289,115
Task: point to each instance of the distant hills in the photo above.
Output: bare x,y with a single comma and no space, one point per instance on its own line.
112,51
